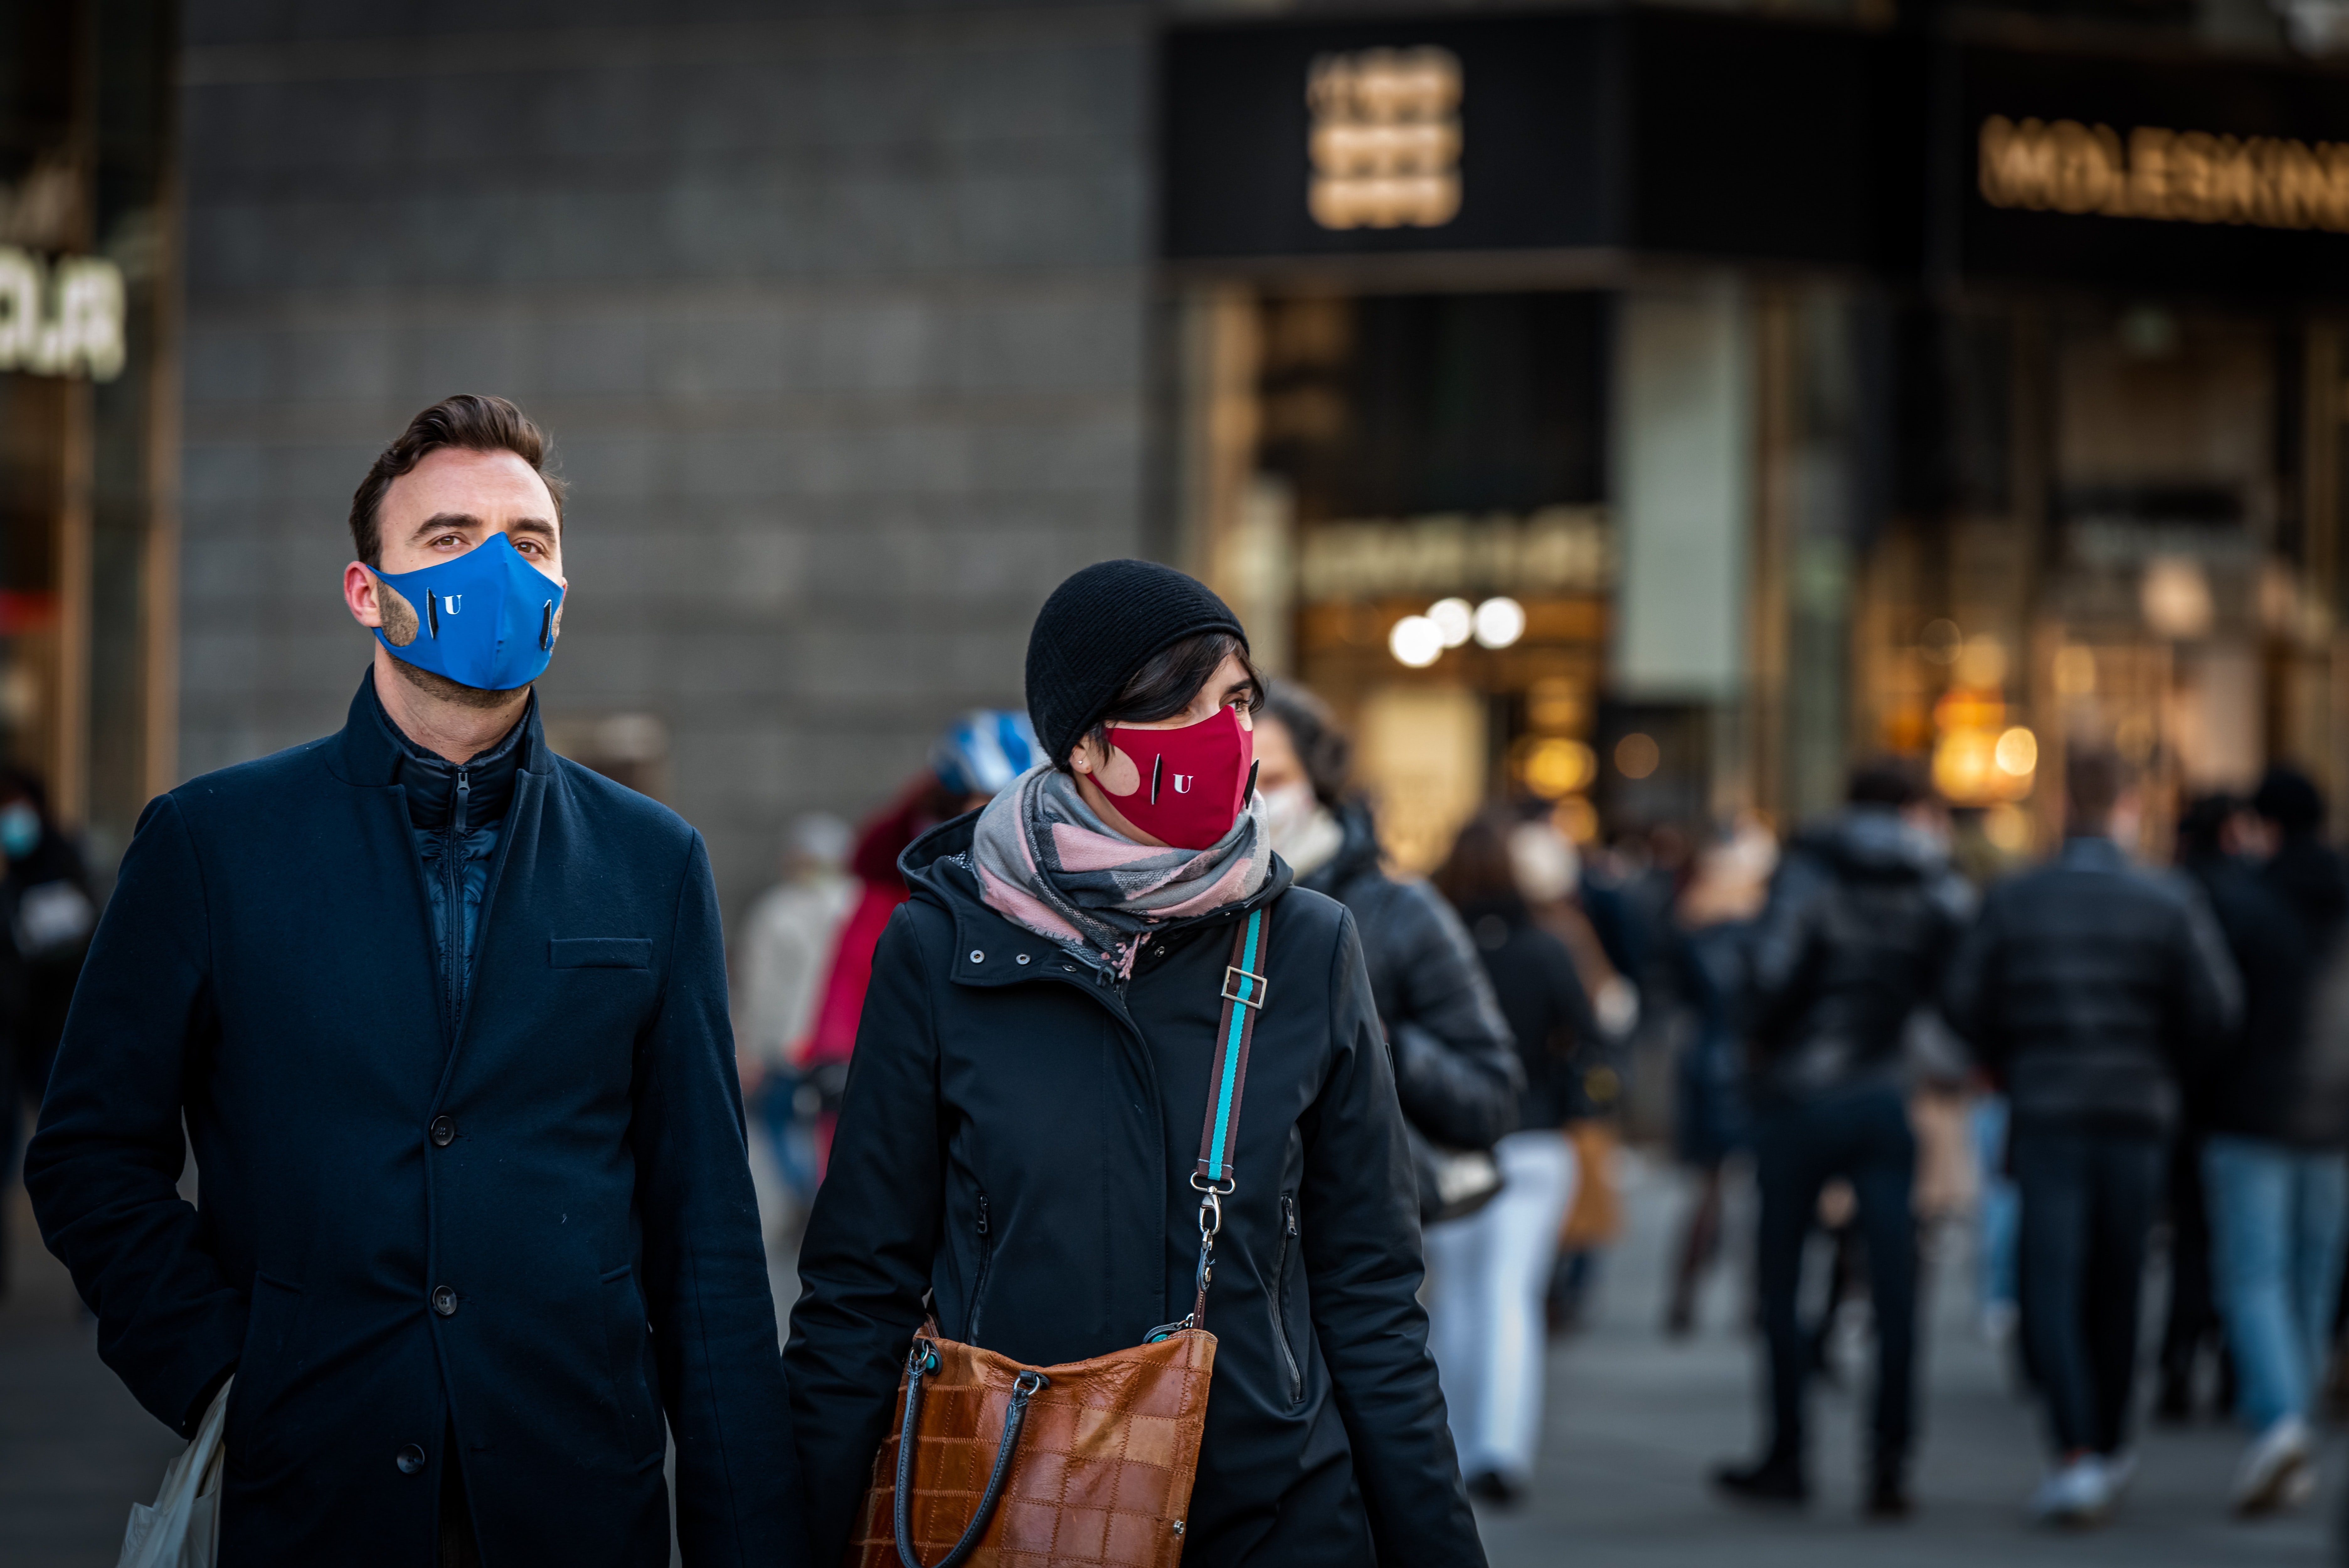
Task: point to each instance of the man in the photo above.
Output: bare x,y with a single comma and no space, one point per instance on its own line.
2273,1166
1860,926
2085,988
778,967
444,1016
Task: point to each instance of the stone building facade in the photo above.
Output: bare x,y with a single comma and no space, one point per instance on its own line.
837,315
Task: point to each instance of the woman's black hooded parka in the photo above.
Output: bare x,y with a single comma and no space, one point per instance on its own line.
1017,1139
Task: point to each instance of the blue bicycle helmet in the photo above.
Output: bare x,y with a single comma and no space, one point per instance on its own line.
983,750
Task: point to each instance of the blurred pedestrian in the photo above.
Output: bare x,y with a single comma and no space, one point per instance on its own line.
46,920
2085,988
443,1015
1549,869
1015,1155
1456,1071
980,752
1859,926
786,947
2210,834
1492,1269
1713,926
2276,1112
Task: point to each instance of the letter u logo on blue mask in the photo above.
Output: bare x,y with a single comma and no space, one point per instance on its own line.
487,619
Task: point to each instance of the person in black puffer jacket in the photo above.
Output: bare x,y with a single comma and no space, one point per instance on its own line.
1015,1149
1456,1072
2087,989
2274,1125
1860,921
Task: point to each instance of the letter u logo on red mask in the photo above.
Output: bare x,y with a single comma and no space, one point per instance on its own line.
1194,780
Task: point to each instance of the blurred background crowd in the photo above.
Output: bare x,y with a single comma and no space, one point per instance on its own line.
1712,479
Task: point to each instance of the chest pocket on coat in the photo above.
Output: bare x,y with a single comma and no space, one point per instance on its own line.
599,952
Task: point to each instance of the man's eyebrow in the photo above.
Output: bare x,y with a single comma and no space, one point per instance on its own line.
531,525
439,521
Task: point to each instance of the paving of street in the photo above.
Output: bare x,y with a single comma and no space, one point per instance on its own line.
1633,1421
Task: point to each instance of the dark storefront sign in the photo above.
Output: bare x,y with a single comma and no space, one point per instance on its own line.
1658,132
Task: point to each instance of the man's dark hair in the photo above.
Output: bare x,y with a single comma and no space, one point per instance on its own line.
2291,799
472,421
1323,748
1168,680
1885,781
2093,782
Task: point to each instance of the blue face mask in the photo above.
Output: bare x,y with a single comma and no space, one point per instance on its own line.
20,829
487,619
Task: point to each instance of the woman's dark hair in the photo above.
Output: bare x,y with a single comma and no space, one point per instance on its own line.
1166,682
1478,872
1324,748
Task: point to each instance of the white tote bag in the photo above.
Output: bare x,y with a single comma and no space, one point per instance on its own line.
182,1529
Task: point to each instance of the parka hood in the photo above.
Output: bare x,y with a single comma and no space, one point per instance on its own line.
1875,841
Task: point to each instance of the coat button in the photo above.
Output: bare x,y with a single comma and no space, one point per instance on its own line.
977,956
444,1131
1021,959
409,1459
444,1301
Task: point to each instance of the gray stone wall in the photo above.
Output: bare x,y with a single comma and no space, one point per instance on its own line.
838,317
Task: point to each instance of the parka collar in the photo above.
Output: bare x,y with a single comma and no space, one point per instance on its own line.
988,948
366,752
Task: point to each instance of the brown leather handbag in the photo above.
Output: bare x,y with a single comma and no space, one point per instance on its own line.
1090,1462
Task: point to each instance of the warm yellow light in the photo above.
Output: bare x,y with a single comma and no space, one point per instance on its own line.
1416,642
1578,818
2018,752
1556,768
2008,828
1636,756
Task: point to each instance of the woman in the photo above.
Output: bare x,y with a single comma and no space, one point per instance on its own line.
1714,921
1023,1111
1493,1269
1455,1070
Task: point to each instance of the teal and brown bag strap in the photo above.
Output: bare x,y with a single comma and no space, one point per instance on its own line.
1243,998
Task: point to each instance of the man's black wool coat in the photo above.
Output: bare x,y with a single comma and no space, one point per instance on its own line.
1017,1140
570,1168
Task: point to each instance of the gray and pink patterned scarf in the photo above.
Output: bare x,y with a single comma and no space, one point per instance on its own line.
1047,861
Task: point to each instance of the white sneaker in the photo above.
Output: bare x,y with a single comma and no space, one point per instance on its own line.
2076,1496
2276,1472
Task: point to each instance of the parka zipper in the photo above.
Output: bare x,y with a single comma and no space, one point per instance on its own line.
452,879
985,1257
1280,1297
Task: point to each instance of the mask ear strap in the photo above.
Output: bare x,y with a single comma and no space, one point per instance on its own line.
1157,769
1249,793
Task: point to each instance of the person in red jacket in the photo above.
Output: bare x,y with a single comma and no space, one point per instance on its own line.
984,750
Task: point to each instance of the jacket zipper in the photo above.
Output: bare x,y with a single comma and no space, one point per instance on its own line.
985,1257
1280,1297
452,915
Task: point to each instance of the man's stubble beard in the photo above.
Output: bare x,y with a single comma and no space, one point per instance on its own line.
434,685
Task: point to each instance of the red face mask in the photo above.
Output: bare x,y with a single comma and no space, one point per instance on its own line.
1195,780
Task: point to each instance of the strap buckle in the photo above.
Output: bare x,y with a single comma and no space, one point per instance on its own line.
1233,975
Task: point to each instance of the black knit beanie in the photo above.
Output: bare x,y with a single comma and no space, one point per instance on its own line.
1097,629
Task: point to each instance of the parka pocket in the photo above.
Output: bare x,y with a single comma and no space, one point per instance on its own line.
978,1281
627,1343
1278,1297
267,1369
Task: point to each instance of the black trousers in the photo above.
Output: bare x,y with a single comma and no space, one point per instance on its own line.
1863,1136
2088,1203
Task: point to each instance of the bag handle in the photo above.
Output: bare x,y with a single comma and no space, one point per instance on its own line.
920,1364
1244,989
